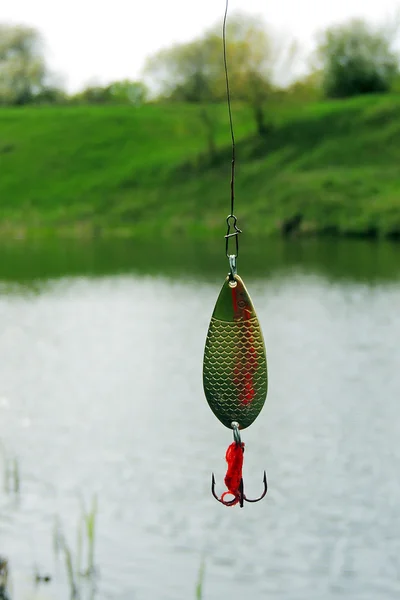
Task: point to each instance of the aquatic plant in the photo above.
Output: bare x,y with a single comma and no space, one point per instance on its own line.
11,472
85,539
69,568
89,519
3,578
200,580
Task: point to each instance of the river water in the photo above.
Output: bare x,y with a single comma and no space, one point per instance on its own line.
101,397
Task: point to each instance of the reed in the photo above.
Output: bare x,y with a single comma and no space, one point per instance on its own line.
89,525
11,472
72,582
85,540
200,580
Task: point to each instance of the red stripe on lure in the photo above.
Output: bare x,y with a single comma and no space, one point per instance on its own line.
247,365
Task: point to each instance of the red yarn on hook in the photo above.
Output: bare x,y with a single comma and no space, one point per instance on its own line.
233,477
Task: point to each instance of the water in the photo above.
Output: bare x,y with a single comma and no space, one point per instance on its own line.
100,393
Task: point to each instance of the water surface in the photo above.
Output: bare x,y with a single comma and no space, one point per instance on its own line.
100,393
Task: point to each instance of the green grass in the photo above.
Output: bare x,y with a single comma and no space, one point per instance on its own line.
136,171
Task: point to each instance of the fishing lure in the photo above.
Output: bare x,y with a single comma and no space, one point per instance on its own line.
235,379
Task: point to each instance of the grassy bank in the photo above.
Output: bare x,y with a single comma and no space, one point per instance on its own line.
324,168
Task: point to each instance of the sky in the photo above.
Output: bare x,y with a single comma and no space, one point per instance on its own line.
98,41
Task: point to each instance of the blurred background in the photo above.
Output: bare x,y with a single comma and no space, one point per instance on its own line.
115,163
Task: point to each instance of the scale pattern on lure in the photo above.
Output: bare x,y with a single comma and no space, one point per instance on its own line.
235,367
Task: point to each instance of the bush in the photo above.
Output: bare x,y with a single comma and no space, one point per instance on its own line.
357,58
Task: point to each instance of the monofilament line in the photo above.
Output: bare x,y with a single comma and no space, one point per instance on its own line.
228,96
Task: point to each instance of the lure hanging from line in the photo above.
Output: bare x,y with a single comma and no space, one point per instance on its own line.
235,376
235,366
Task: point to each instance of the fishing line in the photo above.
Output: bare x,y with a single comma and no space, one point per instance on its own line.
228,97
231,219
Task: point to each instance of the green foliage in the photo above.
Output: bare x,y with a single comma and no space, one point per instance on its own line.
304,90
187,72
327,166
119,92
357,58
194,72
93,94
22,65
128,92
24,77
50,95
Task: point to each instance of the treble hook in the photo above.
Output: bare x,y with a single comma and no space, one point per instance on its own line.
239,497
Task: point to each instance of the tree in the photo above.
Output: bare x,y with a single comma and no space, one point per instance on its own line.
304,89
118,92
51,94
22,65
194,72
128,92
255,60
357,58
92,94
186,72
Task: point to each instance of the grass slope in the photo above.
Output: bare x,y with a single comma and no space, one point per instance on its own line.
328,167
